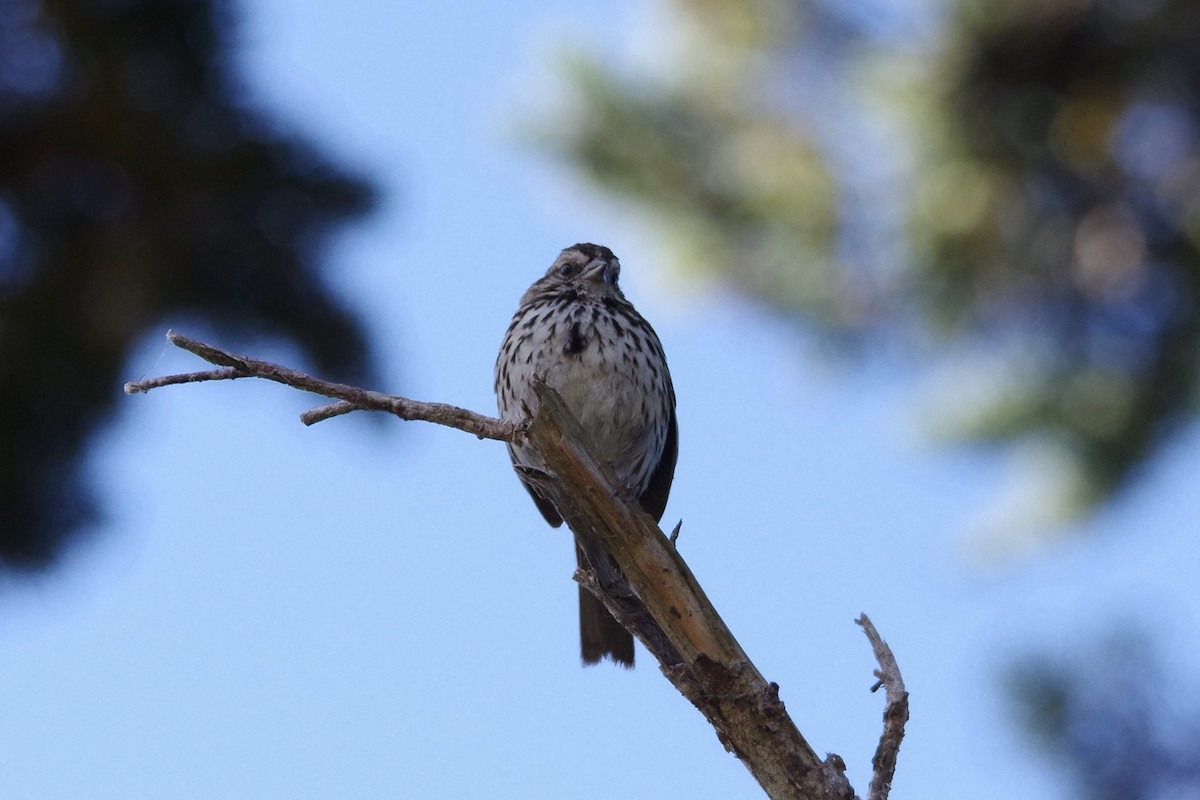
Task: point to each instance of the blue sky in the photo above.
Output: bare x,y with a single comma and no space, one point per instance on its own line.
377,610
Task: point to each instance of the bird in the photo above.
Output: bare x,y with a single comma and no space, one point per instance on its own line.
575,331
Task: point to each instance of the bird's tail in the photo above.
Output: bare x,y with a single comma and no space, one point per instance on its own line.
599,634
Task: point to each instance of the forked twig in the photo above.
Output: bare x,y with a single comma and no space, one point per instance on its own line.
895,713
352,398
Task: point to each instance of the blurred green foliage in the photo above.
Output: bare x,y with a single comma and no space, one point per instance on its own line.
1033,200
743,194
1010,187
1069,144
139,184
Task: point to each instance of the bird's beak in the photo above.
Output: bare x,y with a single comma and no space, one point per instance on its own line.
600,270
597,271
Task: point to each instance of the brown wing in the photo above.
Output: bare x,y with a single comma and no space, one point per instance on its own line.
543,505
654,499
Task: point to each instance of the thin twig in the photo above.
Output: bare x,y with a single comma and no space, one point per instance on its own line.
322,413
352,397
895,713
226,374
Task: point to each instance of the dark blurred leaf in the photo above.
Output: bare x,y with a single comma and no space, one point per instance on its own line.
137,184
1112,718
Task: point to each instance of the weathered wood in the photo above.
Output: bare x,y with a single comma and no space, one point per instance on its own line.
662,602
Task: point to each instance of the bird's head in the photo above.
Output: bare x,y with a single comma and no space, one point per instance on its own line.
587,268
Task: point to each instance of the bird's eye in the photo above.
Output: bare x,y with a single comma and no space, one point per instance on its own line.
566,269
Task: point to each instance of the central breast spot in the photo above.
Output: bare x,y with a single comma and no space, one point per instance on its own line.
575,340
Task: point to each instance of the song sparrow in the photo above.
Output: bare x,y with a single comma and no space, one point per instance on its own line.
577,332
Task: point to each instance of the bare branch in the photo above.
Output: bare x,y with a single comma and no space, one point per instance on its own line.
895,713
353,397
652,592
700,657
